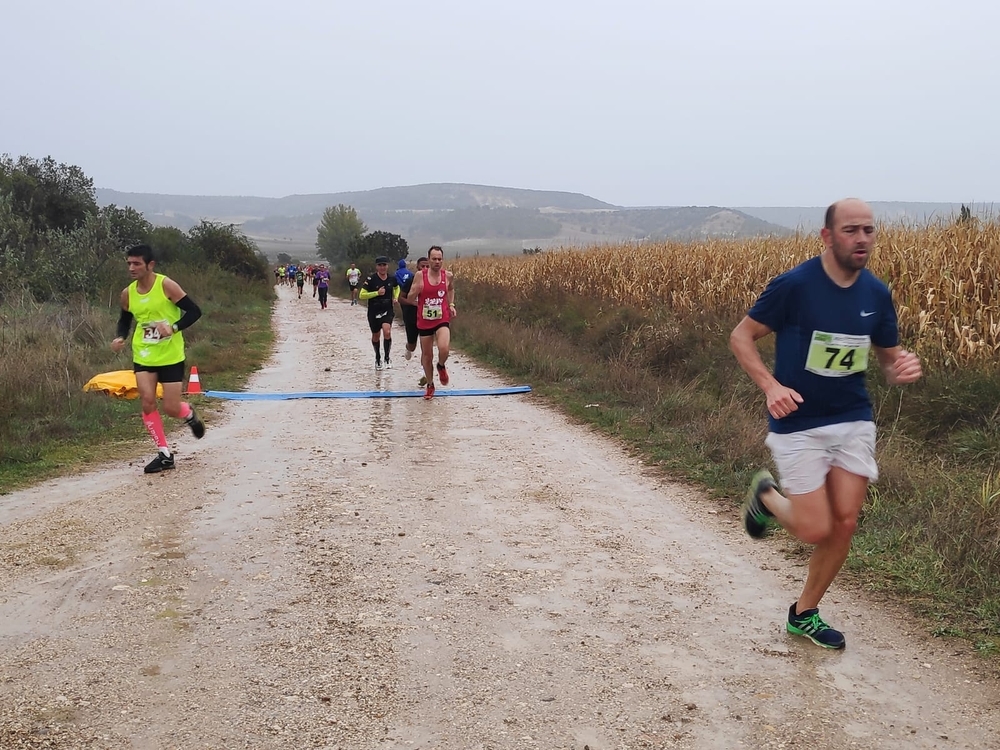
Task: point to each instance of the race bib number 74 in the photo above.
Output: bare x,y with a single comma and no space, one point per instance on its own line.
834,355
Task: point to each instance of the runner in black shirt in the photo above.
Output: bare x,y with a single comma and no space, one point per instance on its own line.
409,311
380,290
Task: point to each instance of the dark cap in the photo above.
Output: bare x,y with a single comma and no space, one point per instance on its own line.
381,259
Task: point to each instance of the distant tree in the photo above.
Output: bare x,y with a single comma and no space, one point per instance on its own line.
339,228
964,215
229,248
284,259
378,243
170,244
127,226
50,195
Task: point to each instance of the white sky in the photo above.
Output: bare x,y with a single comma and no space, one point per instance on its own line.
724,102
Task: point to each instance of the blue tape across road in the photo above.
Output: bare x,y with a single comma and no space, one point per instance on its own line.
235,396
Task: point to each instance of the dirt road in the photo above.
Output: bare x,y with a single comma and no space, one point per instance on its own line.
463,574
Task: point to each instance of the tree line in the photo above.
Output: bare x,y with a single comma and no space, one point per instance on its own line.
57,242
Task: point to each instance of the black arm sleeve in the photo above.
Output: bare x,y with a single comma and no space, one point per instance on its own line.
191,312
124,324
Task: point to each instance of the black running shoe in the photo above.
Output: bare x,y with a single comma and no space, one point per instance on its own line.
158,464
810,625
196,425
756,516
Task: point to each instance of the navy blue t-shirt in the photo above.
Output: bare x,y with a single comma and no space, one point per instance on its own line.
824,335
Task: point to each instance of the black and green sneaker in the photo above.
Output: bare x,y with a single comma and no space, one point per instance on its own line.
756,516
810,625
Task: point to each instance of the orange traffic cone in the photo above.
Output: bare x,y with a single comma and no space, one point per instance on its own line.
194,382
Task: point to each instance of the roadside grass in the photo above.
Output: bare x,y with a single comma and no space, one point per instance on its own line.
673,393
49,426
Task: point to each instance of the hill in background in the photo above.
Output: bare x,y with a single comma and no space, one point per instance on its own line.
466,218
476,219
431,197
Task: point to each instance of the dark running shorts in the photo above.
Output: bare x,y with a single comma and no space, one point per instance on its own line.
378,319
410,323
435,329
164,373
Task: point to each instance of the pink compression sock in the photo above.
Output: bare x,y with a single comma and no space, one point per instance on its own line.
155,426
186,410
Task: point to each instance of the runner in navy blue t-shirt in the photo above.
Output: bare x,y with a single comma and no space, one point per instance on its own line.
828,314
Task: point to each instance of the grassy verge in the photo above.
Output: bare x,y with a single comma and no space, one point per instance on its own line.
930,533
49,426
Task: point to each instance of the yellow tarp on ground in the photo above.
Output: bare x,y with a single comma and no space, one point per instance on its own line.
120,383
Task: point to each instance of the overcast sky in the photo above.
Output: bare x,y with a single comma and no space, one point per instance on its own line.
724,102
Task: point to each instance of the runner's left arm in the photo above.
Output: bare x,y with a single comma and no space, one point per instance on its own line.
451,291
191,311
898,365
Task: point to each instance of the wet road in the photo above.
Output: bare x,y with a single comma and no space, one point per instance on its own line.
466,573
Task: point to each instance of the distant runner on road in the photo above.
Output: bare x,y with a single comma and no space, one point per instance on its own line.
434,295
827,313
161,310
322,284
353,280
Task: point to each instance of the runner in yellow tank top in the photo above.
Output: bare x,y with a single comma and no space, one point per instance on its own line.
161,310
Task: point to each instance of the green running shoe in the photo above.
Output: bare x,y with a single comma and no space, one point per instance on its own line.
810,625
756,516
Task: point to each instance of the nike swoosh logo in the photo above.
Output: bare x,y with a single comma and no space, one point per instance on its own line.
866,315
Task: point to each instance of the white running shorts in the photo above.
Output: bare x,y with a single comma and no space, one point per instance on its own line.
803,459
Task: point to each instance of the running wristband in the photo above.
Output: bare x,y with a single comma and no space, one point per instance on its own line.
191,313
124,323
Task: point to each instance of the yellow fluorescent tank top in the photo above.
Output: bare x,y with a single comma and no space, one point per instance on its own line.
148,309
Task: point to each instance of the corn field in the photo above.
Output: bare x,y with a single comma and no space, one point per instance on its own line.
945,279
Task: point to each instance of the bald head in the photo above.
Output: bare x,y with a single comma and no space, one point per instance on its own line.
849,236
847,204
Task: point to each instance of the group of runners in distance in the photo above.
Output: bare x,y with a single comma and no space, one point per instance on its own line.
426,300
828,315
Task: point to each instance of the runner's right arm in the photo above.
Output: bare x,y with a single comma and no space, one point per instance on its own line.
125,319
415,290
781,400
366,292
